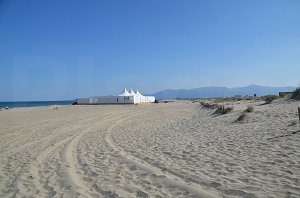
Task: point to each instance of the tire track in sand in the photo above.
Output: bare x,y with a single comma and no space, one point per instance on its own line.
72,160
31,178
33,175
163,177
72,169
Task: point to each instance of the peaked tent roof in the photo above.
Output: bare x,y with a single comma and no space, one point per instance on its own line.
138,93
125,93
132,93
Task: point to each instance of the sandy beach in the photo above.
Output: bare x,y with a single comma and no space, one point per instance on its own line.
177,149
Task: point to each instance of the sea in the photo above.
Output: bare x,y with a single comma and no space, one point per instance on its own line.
34,103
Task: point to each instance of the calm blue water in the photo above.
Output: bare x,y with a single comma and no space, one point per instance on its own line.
34,103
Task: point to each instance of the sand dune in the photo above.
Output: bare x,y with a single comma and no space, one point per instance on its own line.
160,150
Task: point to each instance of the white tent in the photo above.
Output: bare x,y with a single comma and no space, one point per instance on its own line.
132,93
125,93
140,97
138,93
123,98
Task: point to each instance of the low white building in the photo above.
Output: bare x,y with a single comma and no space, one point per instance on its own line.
124,98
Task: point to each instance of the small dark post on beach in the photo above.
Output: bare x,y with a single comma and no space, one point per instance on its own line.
299,114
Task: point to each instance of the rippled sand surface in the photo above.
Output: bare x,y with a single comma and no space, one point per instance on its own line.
176,149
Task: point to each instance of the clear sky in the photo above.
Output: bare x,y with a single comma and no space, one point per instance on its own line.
52,50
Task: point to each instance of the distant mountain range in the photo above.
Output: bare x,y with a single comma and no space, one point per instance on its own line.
214,92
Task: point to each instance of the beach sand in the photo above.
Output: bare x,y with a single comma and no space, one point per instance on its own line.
177,149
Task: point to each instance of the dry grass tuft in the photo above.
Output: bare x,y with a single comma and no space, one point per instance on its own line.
228,109
269,98
249,109
209,105
220,109
223,110
296,94
241,117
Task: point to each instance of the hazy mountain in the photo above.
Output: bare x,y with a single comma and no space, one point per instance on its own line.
211,92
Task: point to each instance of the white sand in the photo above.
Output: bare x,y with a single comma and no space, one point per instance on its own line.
160,150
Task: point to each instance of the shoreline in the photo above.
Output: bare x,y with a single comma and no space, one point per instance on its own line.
34,103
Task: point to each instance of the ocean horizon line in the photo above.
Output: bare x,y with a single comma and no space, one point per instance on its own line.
16,104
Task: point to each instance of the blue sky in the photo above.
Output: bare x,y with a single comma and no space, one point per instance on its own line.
52,50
